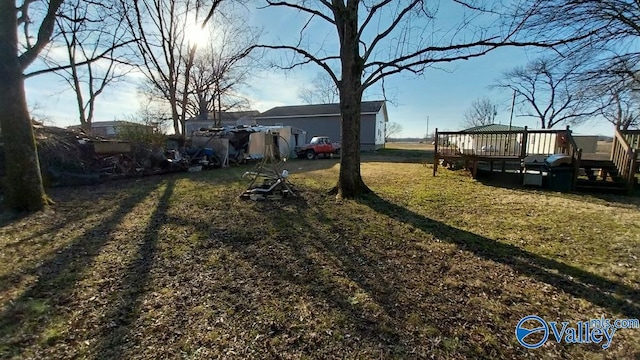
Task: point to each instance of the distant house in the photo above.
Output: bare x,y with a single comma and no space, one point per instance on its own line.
109,129
229,118
324,120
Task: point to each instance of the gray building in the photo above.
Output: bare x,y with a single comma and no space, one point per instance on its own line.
324,120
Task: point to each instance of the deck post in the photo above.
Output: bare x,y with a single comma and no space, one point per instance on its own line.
523,151
569,137
523,146
435,152
576,169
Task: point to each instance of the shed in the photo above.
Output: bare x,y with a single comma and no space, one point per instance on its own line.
285,139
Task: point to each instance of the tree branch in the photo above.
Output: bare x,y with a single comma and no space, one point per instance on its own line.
301,8
310,58
102,55
44,35
393,25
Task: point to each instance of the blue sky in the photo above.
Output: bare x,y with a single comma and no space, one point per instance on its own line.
443,94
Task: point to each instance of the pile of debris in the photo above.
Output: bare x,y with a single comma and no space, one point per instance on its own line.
72,157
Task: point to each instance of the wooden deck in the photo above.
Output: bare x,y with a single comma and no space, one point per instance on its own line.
505,151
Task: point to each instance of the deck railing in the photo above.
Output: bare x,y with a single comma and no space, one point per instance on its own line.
505,145
624,156
576,158
632,137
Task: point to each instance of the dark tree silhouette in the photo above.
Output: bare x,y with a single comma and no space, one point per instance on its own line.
550,92
23,187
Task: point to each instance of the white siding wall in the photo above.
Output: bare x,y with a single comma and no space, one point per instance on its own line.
380,128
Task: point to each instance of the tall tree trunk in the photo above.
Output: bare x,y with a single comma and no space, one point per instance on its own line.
23,186
175,115
350,184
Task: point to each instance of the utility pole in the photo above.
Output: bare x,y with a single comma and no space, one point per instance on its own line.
426,137
513,104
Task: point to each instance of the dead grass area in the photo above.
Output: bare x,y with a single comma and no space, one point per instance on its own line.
409,146
429,267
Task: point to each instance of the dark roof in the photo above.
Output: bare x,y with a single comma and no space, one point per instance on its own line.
492,128
318,109
235,115
98,124
228,115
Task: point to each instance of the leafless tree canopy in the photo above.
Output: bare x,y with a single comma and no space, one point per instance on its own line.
322,90
393,129
165,46
483,111
221,67
600,25
617,93
550,92
607,32
95,42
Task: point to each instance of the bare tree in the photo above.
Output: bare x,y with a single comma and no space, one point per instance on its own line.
24,189
163,28
322,90
617,90
623,110
483,111
383,38
550,92
221,67
606,34
90,30
26,29
392,128
595,25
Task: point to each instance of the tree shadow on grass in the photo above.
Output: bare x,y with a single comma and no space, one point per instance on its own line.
616,297
413,156
513,181
25,318
118,320
332,268
357,276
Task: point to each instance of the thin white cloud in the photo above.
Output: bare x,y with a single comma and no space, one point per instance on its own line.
56,103
274,88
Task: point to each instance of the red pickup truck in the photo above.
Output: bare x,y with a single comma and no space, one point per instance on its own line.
319,146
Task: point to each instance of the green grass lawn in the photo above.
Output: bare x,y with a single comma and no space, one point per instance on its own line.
178,266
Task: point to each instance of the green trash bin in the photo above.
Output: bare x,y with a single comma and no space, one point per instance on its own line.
559,178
